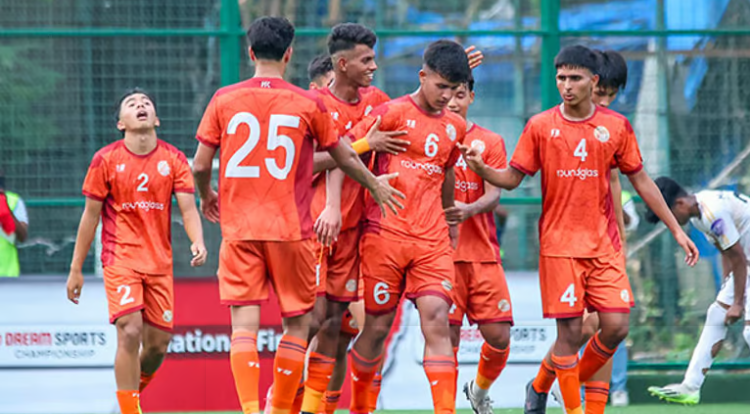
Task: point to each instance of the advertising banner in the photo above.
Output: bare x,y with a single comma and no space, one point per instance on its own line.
57,346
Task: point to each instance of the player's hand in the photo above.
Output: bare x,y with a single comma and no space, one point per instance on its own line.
734,313
473,158
453,233
74,285
210,206
385,195
475,56
457,214
199,254
691,252
328,225
385,141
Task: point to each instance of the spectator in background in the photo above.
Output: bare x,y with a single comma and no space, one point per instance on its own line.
14,226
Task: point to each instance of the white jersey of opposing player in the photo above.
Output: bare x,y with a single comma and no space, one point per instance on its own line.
725,218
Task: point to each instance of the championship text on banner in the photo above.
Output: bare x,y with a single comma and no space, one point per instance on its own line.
57,346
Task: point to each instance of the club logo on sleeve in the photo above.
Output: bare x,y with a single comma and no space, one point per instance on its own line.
368,110
479,145
601,133
718,227
451,131
163,168
503,305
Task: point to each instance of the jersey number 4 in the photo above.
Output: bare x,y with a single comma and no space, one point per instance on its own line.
274,141
581,150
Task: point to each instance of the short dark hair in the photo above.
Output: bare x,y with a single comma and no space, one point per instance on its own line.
319,66
270,37
577,56
129,92
448,59
346,36
613,69
470,82
671,191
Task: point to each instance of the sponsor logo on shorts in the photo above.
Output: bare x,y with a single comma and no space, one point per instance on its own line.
466,186
163,168
167,316
424,166
142,205
503,305
446,285
581,173
351,285
601,133
625,296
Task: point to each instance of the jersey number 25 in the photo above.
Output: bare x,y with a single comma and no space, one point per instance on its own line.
274,141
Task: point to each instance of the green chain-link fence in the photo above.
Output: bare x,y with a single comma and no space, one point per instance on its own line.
63,64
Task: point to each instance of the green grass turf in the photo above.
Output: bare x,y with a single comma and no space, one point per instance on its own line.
634,409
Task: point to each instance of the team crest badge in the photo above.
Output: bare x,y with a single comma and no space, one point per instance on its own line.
451,131
503,305
167,316
625,296
479,145
351,285
601,133
163,168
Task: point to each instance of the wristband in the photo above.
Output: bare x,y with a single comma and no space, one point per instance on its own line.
361,146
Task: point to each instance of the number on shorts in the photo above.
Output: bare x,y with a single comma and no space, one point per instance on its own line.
569,296
274,141
144,180
126,298
380,293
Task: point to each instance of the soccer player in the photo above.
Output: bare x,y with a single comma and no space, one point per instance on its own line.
320,71
480,291
266,129
724,218
410,254
613,75
581,264
130,185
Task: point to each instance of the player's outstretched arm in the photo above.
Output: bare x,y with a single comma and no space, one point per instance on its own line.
616,189
381,191
735,257
84,238
484,204
508,178
328,225
448,197
202,166
193,227
651,195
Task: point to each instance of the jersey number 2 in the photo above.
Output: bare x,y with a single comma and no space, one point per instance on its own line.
143,178
275,140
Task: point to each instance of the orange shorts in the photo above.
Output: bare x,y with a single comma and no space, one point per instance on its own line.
338,268
349,324
129,291
391,268
246,268
570,285
481,293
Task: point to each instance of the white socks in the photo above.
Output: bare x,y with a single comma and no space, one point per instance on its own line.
713,331
479,393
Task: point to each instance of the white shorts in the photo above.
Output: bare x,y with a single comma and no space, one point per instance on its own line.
726,294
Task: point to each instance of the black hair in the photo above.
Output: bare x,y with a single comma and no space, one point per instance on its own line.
127,94
613,70
270,37
448,59
577,56
319,66
470,82
671,191
346,36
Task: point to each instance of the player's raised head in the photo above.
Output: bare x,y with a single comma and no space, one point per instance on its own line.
613,76
677,199
577,74
463,98
136,111
445,68
320,71
271,39
351,47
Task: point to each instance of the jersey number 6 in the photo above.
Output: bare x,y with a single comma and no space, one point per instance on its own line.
274,141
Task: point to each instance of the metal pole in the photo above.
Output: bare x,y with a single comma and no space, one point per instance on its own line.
230,42
550,21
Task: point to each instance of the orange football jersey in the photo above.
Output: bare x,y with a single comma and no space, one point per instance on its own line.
265,128
576,157
477,240
345,115
421,169
137,194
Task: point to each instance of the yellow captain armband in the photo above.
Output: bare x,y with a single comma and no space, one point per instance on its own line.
361,146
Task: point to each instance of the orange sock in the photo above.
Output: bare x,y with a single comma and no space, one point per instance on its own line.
441,372
332,401
129,401
145,380
319,371
597,393
544,378
594,357
491,364
299,398
566,368
455,359
374,392
363,372
288,367
243,356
